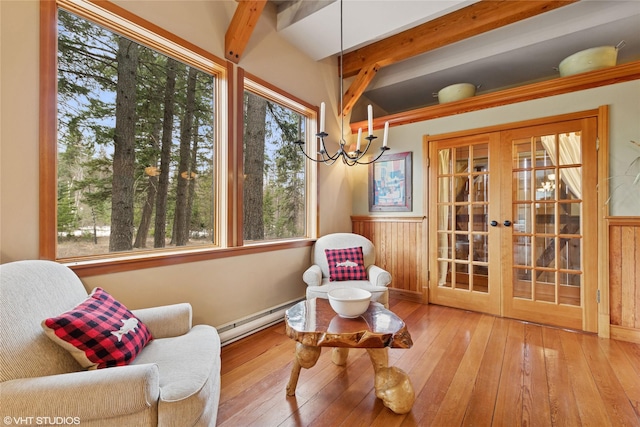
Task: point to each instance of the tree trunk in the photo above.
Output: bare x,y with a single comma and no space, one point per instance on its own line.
152,189
254,142
186,171
159,236
194,162
122,198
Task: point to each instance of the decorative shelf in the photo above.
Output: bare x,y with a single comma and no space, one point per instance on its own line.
618,74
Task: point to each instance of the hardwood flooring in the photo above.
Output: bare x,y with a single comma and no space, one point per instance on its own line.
467,369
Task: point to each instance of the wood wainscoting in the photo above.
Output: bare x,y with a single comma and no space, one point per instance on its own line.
401,249
624,277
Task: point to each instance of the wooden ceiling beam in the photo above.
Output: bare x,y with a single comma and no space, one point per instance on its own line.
464,23
358,87
242,24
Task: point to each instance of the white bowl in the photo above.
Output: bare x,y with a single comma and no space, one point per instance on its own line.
349,302
456,92
589,60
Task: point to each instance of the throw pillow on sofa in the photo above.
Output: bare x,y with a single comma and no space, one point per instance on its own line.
100,332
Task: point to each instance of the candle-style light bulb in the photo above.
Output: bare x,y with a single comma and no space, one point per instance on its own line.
370,118
358,140
386,134
322,117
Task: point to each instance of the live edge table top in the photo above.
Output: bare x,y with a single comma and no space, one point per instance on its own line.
314,323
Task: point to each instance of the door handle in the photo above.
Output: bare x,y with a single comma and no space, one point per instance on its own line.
507,223
494,223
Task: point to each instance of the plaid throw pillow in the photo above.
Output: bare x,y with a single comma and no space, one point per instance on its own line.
99,333
346,264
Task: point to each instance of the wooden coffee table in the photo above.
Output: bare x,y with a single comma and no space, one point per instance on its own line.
314,324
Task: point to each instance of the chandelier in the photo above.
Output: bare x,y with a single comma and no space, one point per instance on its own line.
350,158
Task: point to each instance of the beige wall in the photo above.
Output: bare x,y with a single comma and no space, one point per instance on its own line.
221,290
624,99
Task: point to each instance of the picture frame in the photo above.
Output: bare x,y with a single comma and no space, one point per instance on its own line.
390,183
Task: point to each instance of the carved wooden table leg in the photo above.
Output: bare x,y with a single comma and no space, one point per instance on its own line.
339,355
392,384
306,357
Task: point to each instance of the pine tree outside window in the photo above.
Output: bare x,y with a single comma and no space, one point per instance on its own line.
137,145
277,176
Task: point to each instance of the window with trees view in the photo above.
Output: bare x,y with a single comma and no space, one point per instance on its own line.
275,182
136,145
139,162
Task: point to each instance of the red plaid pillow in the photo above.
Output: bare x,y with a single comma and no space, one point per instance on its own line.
346,264
99,333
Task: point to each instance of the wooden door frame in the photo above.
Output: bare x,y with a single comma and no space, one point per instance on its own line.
602,118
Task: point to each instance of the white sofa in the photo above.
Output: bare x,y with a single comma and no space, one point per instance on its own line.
174,381
317,275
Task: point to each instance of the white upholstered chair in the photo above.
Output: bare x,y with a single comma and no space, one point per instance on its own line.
174,380
317,276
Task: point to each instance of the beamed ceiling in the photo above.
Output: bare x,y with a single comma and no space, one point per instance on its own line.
399,53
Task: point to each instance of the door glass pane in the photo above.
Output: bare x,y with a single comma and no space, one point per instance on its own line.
444,189
545,252
462,217
545,218
444,161
444,217
522,286
570,184
480,188
444,274
462,188
569,289
570,151
444,245
481,157
546,184
569,221
480,247
522,218
545,151
522,154
480,218
462,246
462,159
462,276
569,256
523,251
480,278
522,185
546,288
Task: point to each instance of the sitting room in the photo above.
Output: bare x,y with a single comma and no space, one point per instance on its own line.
201,182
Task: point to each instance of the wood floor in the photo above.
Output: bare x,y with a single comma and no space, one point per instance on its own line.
466,368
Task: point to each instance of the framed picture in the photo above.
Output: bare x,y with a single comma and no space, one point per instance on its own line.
390,184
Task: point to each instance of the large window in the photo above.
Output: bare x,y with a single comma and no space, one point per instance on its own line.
136,145
138,166
275,186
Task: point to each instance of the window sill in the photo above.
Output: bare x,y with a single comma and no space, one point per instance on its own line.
94,267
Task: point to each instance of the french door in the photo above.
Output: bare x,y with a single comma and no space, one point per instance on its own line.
513,223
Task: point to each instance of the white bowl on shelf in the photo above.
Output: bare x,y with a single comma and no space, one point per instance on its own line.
349,302
591,59
456,92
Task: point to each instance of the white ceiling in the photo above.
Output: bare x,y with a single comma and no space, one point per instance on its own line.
523,52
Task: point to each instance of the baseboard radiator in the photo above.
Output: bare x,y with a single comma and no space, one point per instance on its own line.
238,329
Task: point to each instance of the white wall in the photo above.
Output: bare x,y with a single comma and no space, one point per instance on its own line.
624,99
221,290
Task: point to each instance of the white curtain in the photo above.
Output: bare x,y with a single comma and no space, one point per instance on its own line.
444,223
570,147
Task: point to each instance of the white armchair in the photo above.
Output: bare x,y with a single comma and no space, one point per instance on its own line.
317,276
174,380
